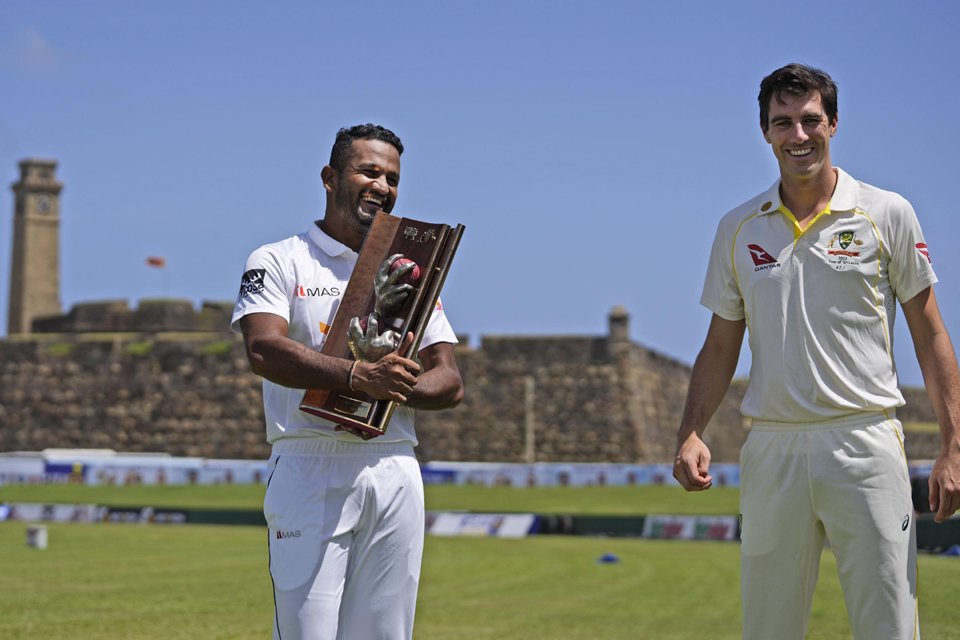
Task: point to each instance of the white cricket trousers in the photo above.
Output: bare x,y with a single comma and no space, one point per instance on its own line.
345,532
846,480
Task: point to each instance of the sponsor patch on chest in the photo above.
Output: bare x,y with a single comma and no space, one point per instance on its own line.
761,258
305,291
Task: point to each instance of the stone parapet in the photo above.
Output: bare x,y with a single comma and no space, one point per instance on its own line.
151,315
191,393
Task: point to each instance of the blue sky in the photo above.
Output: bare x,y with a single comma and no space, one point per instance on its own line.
589,148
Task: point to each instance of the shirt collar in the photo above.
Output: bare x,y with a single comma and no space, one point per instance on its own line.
327,244
844,195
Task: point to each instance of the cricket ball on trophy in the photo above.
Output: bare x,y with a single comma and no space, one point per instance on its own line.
412,276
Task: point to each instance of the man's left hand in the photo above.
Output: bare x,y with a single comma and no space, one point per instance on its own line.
945,485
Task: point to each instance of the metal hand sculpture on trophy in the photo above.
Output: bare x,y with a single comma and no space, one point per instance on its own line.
391,290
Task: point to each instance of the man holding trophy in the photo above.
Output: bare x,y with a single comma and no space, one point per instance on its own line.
344,505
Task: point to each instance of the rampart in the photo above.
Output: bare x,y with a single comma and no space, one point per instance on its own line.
191,393
151,315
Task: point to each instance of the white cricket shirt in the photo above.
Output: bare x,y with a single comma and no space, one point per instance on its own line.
302,279
819,303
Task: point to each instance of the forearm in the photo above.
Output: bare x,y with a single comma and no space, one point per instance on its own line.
292,364
939,366
436,389
440,385
709,381
938,363
711,375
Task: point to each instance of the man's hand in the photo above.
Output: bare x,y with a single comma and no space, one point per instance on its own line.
945,485
371,345
391,377
390,296
692,463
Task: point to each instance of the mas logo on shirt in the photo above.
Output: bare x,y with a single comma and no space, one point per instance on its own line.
313,292
843,250
924,251
761,259
288,534
252,282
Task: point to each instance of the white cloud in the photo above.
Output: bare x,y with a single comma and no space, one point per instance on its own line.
31,53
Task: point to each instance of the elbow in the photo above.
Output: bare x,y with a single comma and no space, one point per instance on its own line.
256,366
450,397
256,360
456,396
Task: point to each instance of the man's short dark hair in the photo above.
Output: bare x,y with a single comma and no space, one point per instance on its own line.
797,80
346,136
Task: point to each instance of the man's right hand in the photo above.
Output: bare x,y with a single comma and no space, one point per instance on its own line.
392,377
692,464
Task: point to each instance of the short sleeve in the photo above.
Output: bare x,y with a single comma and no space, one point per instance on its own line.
438,328
911,265
263,287
721,293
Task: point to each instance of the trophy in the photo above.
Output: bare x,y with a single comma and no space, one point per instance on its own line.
419,254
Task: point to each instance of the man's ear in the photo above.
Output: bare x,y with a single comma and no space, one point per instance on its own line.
328,175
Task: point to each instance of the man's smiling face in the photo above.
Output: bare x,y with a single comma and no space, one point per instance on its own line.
799,133
367,183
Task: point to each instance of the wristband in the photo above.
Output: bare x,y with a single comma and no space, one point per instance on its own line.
350,375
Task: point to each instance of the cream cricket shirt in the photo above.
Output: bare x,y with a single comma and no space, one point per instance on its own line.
819,303
302,279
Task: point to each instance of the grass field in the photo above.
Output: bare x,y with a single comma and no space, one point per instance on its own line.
576,500
109,581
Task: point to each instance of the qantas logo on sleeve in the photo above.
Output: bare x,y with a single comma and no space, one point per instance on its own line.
761,258
924,251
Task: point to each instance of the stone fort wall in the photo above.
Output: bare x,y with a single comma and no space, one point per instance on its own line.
190,392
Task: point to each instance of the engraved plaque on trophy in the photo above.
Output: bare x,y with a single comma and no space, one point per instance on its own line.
431,247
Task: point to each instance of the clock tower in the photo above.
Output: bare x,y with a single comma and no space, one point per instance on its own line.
35,270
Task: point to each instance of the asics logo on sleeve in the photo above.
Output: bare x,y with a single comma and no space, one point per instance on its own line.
924,251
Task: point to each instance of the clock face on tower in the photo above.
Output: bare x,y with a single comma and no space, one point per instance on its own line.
43,204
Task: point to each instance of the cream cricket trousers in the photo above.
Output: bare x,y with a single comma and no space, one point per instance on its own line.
345,532
846,480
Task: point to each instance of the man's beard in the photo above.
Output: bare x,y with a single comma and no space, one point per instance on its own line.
354,215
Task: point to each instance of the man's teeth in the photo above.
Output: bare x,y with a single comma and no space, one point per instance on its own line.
799,152
376,201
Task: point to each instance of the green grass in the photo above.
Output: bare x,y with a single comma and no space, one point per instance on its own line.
224,496
108,581
568,500
921,427
132,581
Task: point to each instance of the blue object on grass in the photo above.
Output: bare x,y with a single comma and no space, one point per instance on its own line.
608,558
952,550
